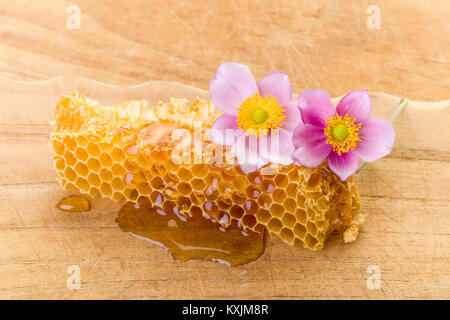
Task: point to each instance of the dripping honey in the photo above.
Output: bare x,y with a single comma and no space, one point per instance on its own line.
74,204
191,238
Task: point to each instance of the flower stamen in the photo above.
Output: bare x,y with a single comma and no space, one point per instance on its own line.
342,133
258,116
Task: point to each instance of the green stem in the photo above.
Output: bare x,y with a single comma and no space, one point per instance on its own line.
394,117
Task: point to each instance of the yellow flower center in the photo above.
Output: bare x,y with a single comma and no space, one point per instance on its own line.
258,116
342,133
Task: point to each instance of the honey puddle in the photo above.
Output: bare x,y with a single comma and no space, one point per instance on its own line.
74,204
191,238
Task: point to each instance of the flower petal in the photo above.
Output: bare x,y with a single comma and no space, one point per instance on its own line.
232,85
310,144
222,130
277,147
377,137
276,84
293,117
315,106
343,165
246,151
356,104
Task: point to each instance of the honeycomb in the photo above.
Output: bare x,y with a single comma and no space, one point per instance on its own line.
123,152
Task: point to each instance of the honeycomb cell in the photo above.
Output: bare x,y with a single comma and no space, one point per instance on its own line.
94,179
105,160
117,183
156,198
276,210
311,227
212,180
199,170
82,184
288,220
300,231
118,196
106,175
94,192
157,183
238,197
253,192
70,158
70,143
268,186
287,235
70,174
224,203
250,207
211,194
158,169
109,152
184,174
300,214
255,177
274,225
197,198
290,205
210,207
237,212
263,215
198,184
94,165
310,241
144,188
225,187
82,141
118,170
184,188
81,154
105,188
281,180
58,147
279,195
184,203
291,190
60,164
93,149
81,169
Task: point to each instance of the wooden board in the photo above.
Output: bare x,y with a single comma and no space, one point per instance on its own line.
406,235
322,43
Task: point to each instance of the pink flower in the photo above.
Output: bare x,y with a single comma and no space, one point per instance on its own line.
258,118
342,135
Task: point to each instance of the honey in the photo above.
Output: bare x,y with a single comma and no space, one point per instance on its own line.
74,204
124,152
191,238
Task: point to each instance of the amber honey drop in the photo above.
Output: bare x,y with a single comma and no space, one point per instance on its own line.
191,238
74,204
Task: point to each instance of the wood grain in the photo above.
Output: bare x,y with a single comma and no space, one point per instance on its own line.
406,197
324,43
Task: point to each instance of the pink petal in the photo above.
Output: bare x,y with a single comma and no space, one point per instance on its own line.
293,117
232,85
356,104
310,144
343,165
315,106
246,151
277,147
276,84
377,137
222,130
